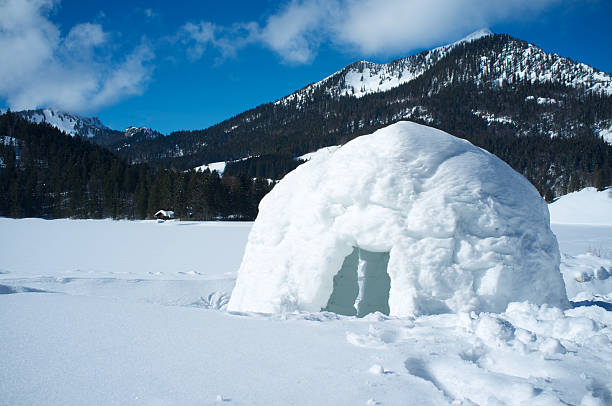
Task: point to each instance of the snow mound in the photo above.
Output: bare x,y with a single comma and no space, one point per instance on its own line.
410,216
587,206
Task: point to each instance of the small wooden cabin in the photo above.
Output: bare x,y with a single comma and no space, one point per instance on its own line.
164,215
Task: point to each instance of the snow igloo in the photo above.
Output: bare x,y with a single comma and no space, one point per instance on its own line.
406,221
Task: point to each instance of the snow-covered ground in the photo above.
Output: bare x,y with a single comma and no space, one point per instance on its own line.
131,313
213,166
582,222
587,206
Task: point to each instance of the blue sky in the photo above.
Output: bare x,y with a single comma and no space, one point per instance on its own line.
189,65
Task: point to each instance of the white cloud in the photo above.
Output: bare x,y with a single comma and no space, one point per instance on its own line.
85,36
199,36
391,26
71,72
150,13
383,27
227,40
368,27
296,31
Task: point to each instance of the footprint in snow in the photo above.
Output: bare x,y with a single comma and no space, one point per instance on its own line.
420,369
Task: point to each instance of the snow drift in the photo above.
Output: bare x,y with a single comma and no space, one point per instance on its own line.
454,227
587,206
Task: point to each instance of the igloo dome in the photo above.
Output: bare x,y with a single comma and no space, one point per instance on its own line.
408,220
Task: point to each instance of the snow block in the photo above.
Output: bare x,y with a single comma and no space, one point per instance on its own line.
457,229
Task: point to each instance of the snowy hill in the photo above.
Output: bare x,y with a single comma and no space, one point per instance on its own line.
587,206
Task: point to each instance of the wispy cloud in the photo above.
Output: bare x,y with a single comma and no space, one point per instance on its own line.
368,27
150,13
78,69
197,37
391,26
297,30
73,71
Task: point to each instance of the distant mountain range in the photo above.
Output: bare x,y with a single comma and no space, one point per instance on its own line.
531,108
88,127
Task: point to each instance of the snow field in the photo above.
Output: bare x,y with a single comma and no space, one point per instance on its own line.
88,322
586,207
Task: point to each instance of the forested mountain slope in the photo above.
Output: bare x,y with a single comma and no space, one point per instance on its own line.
540,112
47,173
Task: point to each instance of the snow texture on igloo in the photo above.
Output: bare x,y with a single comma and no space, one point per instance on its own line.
454,227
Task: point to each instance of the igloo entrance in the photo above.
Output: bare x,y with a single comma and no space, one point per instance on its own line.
362,285
464,232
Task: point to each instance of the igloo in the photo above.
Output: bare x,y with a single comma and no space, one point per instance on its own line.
407,221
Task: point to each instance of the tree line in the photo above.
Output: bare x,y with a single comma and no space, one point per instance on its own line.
49,174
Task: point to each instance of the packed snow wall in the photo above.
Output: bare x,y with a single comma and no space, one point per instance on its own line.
460,230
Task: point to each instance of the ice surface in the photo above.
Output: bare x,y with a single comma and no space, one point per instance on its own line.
463,230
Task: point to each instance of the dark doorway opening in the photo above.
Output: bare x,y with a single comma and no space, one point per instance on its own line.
362,285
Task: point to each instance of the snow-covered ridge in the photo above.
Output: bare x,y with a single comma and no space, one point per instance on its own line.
517,60
69,123
363,77
522,61
87,127
147,132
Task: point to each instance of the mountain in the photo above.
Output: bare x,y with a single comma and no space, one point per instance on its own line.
72,124
89,127
514,62
46,173
134,132
543,114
